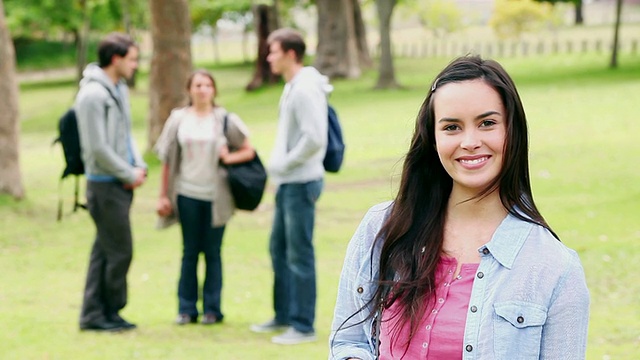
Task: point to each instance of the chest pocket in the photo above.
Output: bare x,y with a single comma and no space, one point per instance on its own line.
517,330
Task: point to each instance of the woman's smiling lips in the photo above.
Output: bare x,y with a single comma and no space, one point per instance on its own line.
473,162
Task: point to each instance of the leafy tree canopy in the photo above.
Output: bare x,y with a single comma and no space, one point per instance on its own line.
43,18
208,12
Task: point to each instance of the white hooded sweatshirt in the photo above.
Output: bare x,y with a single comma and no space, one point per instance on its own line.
301,140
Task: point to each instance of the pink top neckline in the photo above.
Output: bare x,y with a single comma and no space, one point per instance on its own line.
440,333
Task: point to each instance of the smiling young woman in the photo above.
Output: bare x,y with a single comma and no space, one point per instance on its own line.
462,264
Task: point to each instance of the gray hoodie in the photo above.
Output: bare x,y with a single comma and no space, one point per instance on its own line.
301,139
102,108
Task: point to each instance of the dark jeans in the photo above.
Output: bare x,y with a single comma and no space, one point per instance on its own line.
105,293
292,254
199,236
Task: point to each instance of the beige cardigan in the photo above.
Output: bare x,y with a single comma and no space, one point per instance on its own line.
168,150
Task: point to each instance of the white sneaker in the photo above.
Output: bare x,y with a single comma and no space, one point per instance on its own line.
293,337
269,326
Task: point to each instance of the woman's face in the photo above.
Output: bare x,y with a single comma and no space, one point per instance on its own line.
201,90
470,133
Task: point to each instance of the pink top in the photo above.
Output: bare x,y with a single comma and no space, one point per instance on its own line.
441,332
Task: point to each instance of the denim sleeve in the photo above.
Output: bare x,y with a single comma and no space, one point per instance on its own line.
564,335
351,329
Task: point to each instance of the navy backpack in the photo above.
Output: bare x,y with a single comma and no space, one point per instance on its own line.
335,144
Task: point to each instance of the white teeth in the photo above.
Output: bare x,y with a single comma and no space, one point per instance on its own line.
474,161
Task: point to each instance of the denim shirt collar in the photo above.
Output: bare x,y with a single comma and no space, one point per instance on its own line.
508,239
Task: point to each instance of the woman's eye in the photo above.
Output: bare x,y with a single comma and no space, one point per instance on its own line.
487,123
451,127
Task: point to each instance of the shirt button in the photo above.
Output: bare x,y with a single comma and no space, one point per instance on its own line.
474,308
360,290
434,311
428,327
485,251
480,275
469,348
441,300
424,345
520,319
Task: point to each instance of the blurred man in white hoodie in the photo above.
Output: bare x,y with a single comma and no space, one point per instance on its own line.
296,169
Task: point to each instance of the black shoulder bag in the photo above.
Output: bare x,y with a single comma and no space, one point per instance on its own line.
247,180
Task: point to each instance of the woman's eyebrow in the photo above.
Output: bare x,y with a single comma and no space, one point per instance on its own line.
488,113
481,116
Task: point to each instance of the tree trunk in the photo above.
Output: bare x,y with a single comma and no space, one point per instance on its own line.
386,73
266,20
616,30
216,44
126,17
245,43
579,13
361,36
82,40
337,54
128,28
10,176
170,61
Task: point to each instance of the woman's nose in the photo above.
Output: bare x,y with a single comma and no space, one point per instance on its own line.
471,140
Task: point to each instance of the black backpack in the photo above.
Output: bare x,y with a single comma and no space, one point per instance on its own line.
69,138
335,144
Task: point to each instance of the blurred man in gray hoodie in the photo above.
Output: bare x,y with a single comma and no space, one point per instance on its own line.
113,168
296,169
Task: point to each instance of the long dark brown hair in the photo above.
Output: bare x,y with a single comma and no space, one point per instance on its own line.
412,235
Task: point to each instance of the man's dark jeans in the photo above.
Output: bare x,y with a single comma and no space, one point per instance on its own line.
105,292
199,236
292,254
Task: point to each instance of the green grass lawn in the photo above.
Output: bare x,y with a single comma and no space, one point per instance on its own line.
584,129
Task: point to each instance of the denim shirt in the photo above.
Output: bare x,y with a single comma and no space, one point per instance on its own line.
529,299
